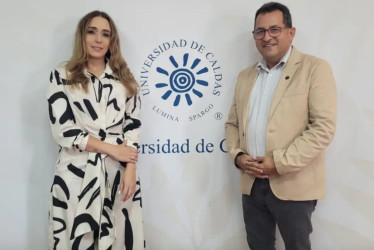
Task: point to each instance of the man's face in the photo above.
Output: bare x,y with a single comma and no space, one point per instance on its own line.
273,48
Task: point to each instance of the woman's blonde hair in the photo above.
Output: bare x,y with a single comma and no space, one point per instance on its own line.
78,62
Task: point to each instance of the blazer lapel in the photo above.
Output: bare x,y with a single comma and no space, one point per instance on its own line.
247,91
286,78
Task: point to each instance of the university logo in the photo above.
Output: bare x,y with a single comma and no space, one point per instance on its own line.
181,81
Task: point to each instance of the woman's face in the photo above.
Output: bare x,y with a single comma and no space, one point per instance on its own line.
98,38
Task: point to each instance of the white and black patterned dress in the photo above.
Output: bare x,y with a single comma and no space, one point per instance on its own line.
86,211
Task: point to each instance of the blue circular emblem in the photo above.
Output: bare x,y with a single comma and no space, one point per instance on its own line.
182,80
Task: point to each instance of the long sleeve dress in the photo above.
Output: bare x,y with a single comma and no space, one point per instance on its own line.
85,210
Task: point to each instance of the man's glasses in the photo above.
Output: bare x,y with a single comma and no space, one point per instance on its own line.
273,32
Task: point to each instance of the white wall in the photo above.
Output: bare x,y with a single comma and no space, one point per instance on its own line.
192,200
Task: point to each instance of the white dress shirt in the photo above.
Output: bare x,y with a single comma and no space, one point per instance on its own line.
260,103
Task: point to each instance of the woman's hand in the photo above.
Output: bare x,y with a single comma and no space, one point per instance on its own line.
128,182
124,153
120,153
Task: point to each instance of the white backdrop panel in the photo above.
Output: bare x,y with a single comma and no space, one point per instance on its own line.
191,200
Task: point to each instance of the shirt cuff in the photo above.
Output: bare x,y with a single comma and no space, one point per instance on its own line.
131,143
83,142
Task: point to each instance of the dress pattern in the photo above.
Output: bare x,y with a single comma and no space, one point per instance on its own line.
85,210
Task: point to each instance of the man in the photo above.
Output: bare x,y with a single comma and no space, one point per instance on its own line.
281,120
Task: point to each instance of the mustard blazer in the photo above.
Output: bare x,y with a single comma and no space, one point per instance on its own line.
301,124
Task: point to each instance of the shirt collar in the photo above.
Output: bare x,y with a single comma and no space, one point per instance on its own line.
108,70
262,64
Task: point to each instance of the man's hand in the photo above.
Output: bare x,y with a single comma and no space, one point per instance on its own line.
250,166
260,167
267,165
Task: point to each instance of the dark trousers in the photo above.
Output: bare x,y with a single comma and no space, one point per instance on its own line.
263,211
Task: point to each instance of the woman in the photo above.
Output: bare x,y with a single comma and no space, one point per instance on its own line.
94,114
